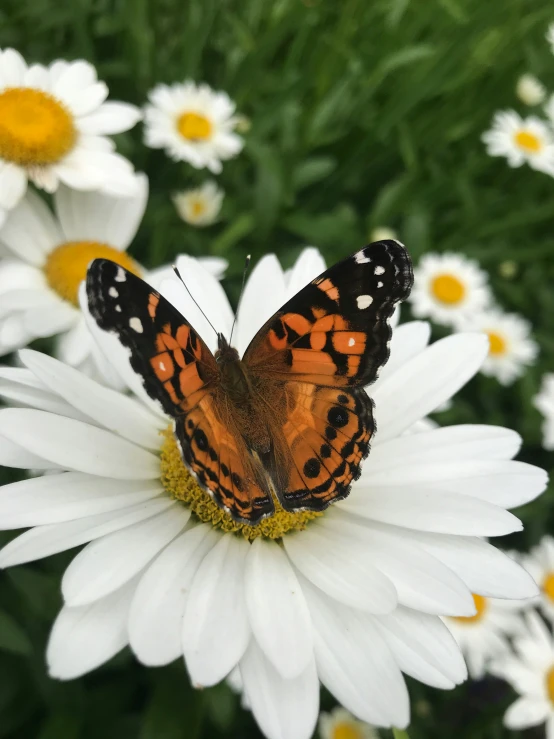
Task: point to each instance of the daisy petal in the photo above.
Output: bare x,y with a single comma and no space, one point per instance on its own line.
13,68
47,320
309,265
525,712
13,455
99,569
30,230
277,610
13,183
110,118
216,631
84,638
155,620
408,340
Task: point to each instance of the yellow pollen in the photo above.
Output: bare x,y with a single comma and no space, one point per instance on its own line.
448,289
346,731
497,344
35,128
194,127
198,208
550,684
548,586
66,266
481,604
180,484
528,141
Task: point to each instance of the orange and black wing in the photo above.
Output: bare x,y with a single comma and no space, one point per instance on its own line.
325,345
179,371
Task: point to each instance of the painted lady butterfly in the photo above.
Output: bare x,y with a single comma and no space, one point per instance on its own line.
291,418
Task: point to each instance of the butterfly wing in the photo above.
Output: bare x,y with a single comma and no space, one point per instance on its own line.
324,345
179,371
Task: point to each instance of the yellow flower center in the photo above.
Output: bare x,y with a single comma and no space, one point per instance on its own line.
346,731
35,128
550,684
528,141
448,289
548,586
481,605
497,344
66,266
194,127
180,484
198,208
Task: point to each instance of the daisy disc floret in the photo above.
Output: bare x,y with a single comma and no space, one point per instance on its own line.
193,123
521,140
448,288
54,124
351,599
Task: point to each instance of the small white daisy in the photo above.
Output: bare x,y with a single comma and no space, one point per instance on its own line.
448,288
200,206
351,598
529,669
49,255
53,128
539,563
193,123
530,90
484,636
511,348
544,402
341,724
550,36
521,140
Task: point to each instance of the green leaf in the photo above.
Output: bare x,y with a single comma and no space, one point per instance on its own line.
311,171
12,637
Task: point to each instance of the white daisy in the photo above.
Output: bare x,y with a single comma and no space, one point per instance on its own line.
351,598
484,636
530,671
341,724
193,123
530,90
53,128
521,140
448,288
50,253
511,348
550,36
544,402
539,562
200,206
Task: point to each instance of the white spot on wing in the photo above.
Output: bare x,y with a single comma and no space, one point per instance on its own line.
113,292
118,308
136,324
351,341
364,301
120,275
361,258
379,284
161,365
379,271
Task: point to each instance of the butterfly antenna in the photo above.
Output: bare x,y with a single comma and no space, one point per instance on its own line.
193,300
244,273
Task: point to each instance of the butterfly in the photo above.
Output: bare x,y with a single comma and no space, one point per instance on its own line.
290,421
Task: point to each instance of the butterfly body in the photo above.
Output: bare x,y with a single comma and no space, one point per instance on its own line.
290,421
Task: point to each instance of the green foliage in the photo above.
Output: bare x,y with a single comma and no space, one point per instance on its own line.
363,114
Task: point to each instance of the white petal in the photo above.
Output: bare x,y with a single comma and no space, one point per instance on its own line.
76,345
13,68
13,183
277,610
215,627
216,266
422,581
423,647
342,570
355,664
447,444
52,499
42,541
526,711
84,638
408,340
77,446
13,455
21,394
309,265
93,216
110,118
284,709
111,409
424,509
44,321
30,230
109,562
426,381
155,620
263,295
14,301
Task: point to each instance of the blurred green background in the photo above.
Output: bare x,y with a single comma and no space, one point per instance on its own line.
363,114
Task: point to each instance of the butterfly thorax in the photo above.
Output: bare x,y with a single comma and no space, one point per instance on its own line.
233,374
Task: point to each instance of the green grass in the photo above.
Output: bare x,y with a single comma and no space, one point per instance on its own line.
363,114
